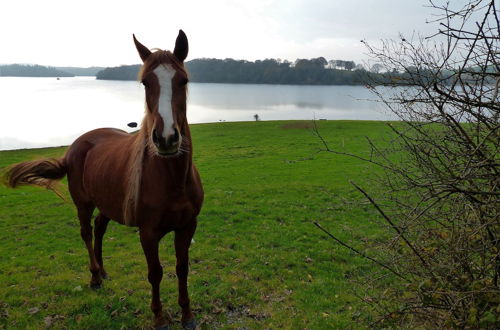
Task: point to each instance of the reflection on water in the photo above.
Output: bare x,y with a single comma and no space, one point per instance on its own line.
36,112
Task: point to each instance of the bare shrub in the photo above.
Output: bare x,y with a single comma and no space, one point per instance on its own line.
441,175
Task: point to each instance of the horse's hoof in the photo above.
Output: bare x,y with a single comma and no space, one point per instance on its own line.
163,327
189,325
95,286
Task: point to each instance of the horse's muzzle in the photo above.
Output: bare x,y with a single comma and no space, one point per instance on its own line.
169,146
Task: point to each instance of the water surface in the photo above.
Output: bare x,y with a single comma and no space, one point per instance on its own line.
40,112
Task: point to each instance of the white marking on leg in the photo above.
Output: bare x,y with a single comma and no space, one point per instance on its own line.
165,74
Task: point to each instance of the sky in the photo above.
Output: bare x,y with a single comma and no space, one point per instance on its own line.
99,32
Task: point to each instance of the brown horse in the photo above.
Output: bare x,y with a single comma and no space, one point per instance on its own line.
146,179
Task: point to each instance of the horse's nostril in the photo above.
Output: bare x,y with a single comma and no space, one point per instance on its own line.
156,139
166,145
175,138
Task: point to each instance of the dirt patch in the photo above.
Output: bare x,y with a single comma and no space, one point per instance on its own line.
298,125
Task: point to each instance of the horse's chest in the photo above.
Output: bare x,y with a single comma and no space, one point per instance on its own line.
172,211
169,195
167,202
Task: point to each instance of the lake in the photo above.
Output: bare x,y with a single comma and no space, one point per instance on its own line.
42,112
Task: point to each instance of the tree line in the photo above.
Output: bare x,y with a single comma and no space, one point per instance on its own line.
316,71
28,70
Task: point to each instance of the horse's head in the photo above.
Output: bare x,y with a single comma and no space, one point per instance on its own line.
165,79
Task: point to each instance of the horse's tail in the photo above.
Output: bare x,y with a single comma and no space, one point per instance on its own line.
43,172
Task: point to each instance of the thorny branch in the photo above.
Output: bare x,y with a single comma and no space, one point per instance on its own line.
441,169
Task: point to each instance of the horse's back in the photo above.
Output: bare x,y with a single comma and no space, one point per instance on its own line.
98,138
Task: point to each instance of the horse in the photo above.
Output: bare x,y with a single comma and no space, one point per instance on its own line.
146,180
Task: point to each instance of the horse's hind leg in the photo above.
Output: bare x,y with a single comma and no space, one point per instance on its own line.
182,243
85,215
100,225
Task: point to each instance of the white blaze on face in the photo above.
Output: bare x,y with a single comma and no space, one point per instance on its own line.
165,73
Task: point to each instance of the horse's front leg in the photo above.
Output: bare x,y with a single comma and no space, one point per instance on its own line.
149,242
182,243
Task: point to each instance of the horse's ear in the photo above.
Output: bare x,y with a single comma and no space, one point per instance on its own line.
144,52
181,46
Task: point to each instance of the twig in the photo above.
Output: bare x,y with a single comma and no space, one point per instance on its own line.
358,252
424,262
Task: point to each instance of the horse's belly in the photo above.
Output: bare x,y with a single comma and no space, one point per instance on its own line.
108,195
105,181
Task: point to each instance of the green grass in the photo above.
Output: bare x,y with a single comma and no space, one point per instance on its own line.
257,261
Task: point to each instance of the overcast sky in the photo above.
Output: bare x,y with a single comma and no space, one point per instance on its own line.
99,32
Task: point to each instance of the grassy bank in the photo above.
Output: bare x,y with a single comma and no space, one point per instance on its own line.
257,260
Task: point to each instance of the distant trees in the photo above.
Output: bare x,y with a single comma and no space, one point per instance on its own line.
24,70
343,65
376,68
315,71
314,63
359,67
349,65
124,72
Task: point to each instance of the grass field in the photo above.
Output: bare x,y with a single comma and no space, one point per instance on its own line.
257,261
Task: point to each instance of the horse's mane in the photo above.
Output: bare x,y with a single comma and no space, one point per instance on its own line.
133,184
